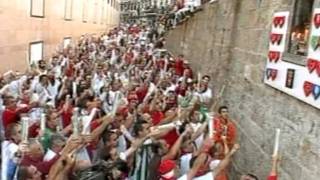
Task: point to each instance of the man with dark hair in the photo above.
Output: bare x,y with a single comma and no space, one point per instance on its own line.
205,93
223,126
12,113
141,129
221,108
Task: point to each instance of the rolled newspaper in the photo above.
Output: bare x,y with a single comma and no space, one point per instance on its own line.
276,143
43,122
165,65
210,125
169,125
115,104
75,121
25,129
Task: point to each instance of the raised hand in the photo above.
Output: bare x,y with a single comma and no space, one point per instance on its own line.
235,148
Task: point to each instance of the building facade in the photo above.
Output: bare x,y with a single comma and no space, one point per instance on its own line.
31,29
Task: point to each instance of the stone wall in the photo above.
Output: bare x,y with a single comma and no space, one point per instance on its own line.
18,28
229,41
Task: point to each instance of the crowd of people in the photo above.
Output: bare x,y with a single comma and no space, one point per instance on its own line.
179,12
115,106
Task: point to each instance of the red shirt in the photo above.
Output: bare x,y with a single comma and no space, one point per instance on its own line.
42,166
141,93
273,177
178,65
190,72
129,57
160,63
93,125
180,90
69,71
171,137
34,130
12,115
66,116
156,116
219,128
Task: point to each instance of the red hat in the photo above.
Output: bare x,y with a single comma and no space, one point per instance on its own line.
166,166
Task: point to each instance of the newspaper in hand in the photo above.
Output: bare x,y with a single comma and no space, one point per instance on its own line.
210,124
43,122
75,121
115,103
25,128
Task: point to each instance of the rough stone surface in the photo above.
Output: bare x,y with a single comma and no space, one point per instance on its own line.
228,40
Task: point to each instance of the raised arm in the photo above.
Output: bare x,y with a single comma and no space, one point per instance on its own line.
106,120
176,147
199,131
225,162
200,160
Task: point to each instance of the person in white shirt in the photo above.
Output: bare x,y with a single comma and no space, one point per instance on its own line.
15,87
41,89
205,93
98,82
188,147
10,148
167,167
53,86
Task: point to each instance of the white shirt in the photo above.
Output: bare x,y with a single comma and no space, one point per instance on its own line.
214,164
15,86
206,96
151,89
185,163
58,71
199,140
114,57
64,62
8,150
172,87
2,108
208,176
122,144
53,88
86,120
97,84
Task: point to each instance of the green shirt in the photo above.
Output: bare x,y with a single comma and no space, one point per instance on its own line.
46,138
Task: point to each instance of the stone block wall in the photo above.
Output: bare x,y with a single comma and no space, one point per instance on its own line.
229,41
